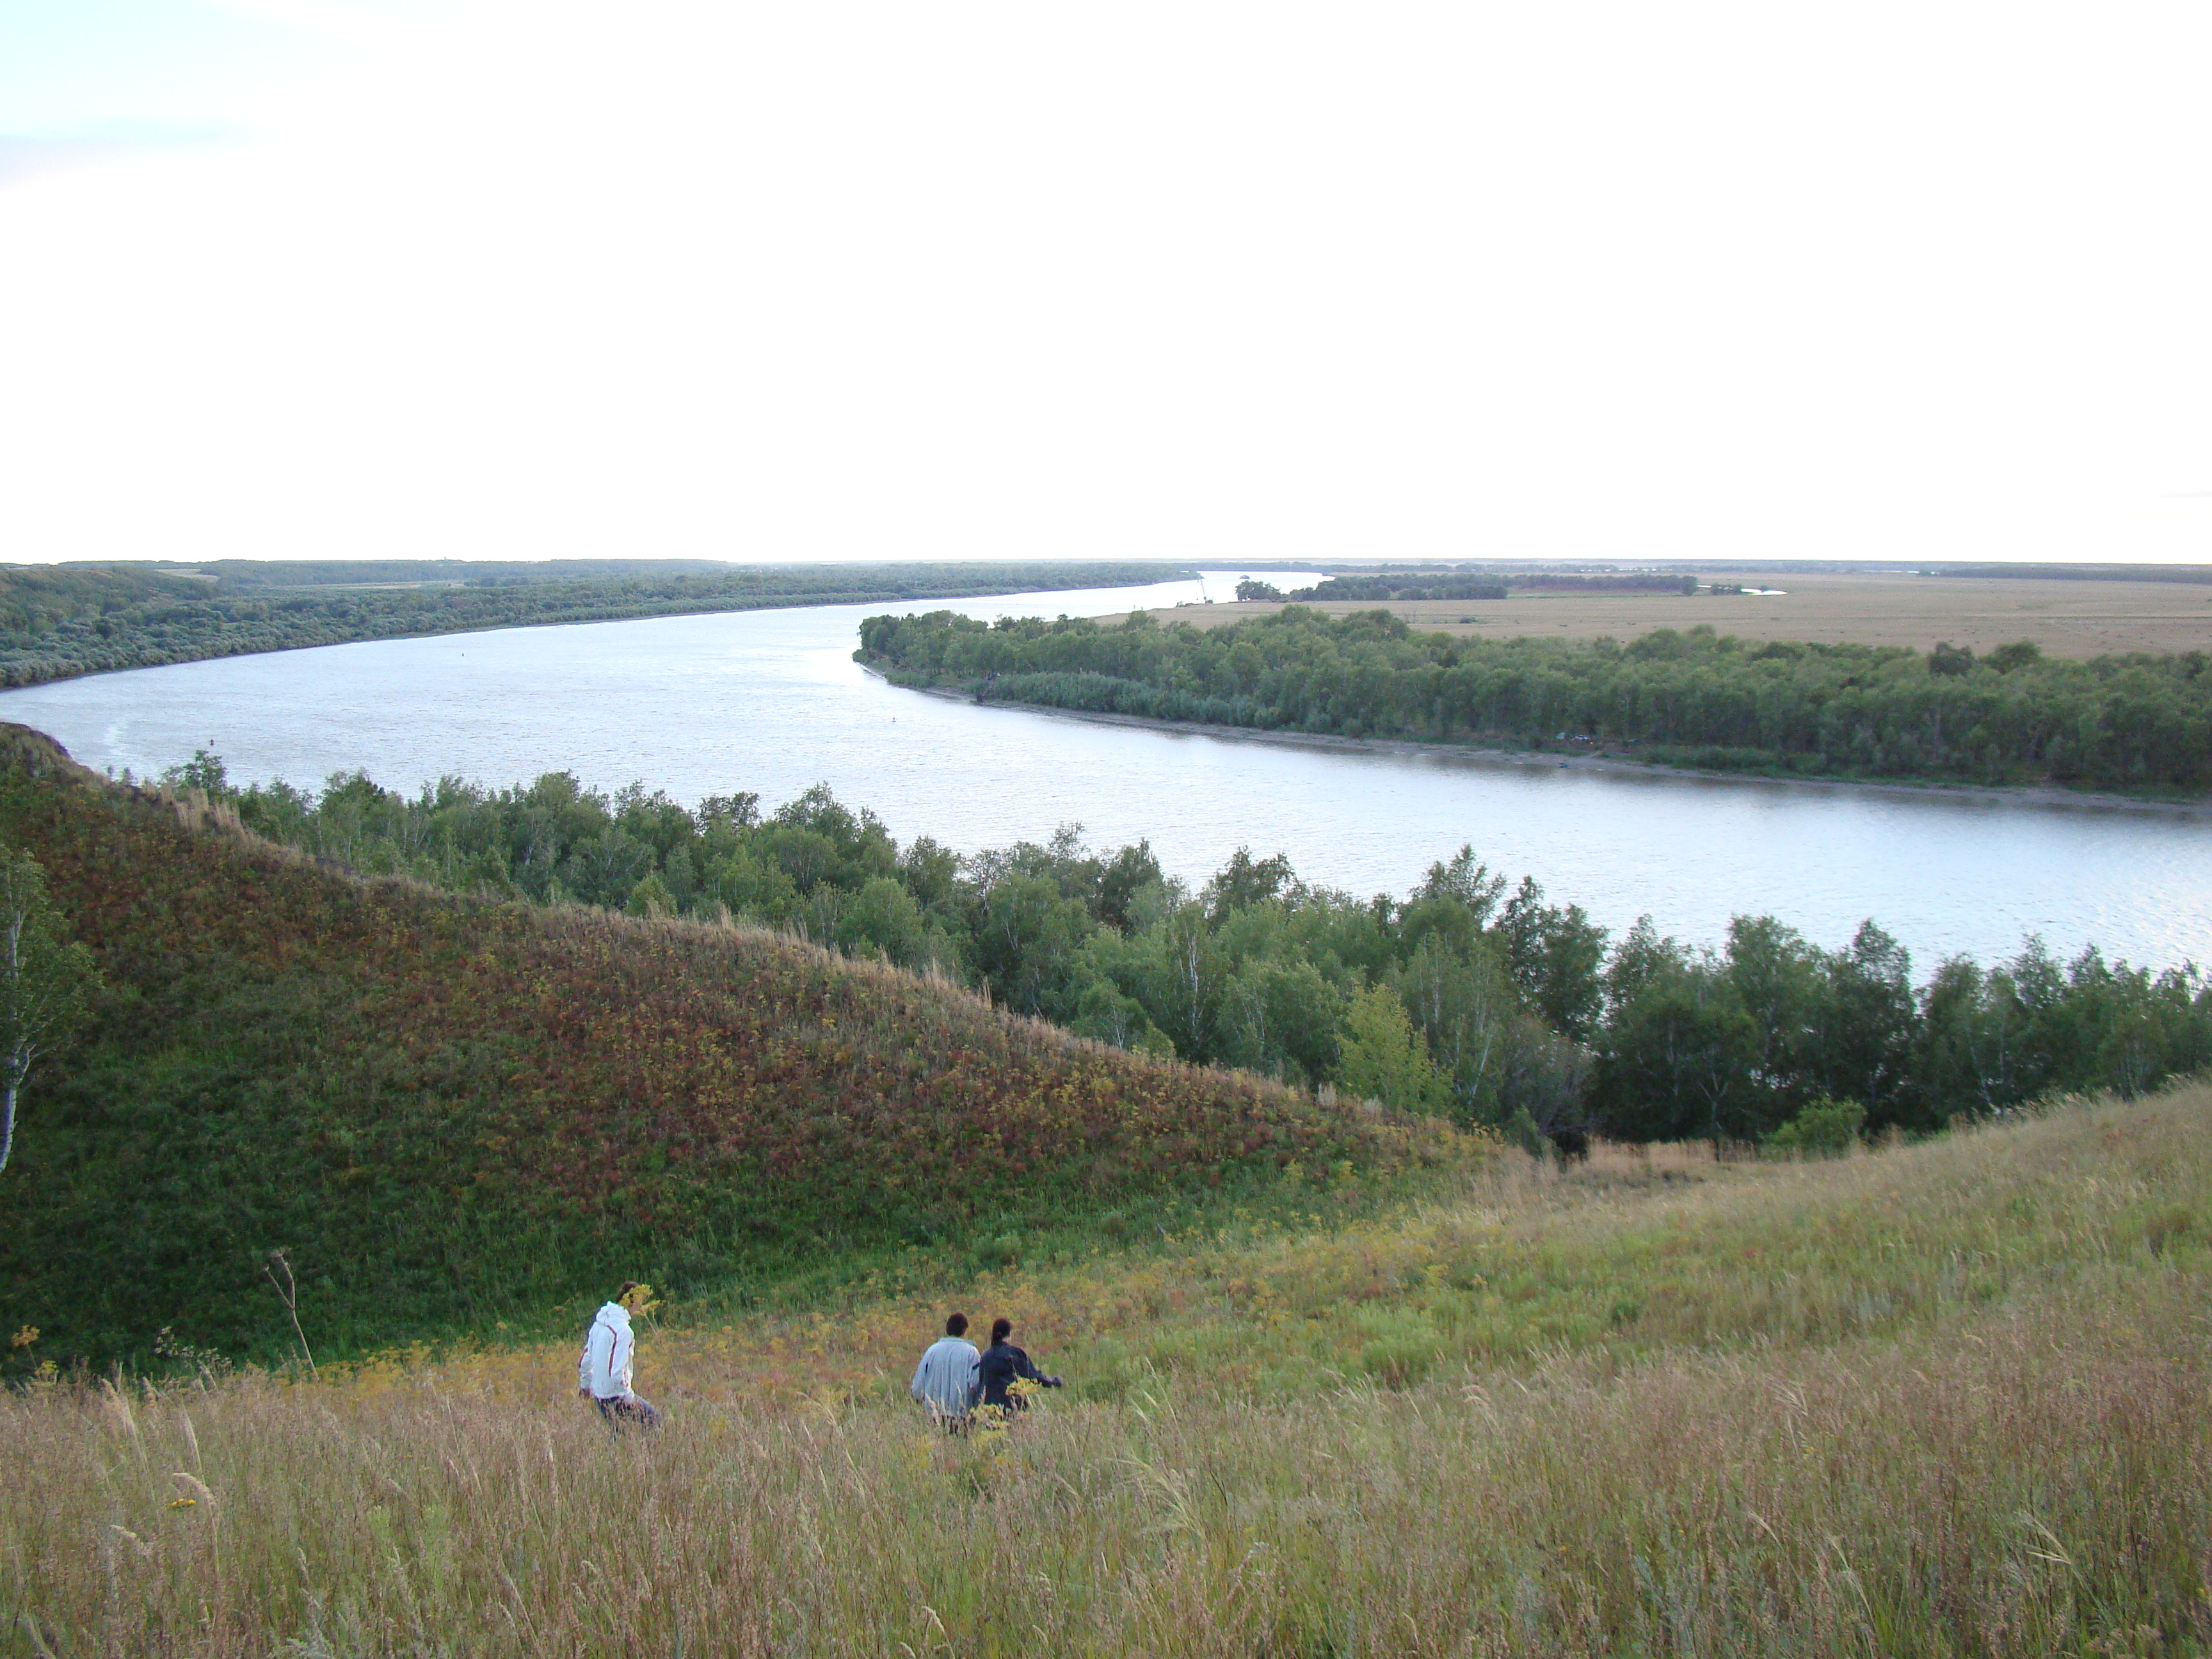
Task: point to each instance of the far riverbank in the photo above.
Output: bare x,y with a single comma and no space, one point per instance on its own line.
2042,794
61,623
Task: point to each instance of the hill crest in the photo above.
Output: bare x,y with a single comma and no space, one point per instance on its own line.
458,1111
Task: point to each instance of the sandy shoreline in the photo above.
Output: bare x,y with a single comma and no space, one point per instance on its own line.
1548,760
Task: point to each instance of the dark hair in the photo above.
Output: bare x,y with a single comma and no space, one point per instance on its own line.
1002,1329
628,1285
957,1326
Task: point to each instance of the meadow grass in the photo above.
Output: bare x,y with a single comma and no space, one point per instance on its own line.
1944,1398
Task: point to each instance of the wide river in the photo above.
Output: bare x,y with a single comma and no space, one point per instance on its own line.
771,701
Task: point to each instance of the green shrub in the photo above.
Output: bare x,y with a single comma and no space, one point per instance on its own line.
1521,1129
1826,1129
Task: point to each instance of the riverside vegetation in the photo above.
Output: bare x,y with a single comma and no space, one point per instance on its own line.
1470,998
2134,722
57,622
1946,1399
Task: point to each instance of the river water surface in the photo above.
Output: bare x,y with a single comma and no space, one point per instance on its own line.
771,701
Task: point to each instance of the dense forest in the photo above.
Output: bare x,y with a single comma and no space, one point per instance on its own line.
57,622
1469,997
2136,722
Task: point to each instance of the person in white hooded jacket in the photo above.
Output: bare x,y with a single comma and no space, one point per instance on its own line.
603,1373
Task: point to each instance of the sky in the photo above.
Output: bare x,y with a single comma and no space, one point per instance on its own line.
1239,283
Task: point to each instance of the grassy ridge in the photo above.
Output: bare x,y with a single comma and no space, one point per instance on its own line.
1949,1399
456,1112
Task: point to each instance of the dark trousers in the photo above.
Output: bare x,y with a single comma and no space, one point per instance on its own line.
627,1413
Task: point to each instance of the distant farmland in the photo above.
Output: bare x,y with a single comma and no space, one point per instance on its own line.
2067,618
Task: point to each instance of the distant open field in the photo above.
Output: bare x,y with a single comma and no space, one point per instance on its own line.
2067,618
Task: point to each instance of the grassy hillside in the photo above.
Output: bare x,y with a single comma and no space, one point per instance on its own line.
453,1113
1638,1253
1949,1399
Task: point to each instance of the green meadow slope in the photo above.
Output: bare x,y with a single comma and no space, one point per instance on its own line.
456,1115
1950,1398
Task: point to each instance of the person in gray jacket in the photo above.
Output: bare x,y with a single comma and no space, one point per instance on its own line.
944,1382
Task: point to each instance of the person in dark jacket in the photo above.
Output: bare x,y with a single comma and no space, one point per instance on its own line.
1004,1364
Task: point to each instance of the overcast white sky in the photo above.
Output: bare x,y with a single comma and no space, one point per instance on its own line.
1198,281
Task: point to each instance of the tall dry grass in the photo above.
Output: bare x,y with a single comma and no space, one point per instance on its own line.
2011,1456
1639,1254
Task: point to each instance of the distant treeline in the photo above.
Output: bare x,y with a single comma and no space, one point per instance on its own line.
1395,586
1400,586
1545,576
238,575
2081,573
1407,588
57,622
2116,722
1486,1004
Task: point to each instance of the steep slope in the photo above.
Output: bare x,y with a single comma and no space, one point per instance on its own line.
452,1113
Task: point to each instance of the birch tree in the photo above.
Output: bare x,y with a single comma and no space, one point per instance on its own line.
45,979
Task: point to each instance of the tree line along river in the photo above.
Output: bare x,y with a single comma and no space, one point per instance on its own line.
769,702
